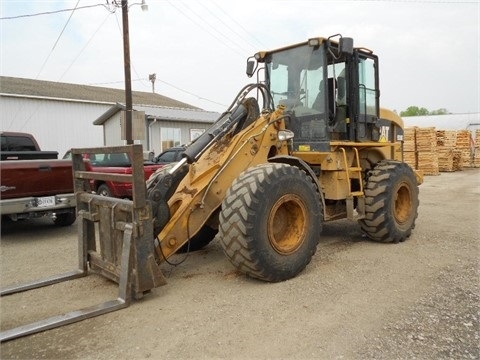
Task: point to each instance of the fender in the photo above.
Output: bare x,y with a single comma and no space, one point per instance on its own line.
294,161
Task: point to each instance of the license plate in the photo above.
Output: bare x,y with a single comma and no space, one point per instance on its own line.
46,201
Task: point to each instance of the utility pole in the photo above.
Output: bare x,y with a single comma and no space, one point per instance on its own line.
128,75
152,78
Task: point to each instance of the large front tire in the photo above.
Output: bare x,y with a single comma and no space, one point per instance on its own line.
391,202
270,222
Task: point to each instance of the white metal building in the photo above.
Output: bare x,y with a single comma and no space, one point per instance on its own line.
61,116
161,127
467,121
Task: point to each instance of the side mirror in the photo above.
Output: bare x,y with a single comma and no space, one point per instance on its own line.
250,67
345,45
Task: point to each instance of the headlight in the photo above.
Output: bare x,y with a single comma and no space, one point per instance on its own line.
284,135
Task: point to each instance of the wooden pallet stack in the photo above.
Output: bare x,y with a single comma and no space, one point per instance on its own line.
433,151
464,144
409,147
476,158
448,157
426,145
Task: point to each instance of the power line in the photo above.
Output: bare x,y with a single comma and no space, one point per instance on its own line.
56,42
85,46
240,25
204,28
71,64
386,1
192,94
53,12
162,81
240,36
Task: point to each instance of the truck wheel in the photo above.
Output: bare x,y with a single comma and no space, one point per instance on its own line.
391,202
270,222
104,190
65,219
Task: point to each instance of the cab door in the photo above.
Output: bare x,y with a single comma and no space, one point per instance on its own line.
366,97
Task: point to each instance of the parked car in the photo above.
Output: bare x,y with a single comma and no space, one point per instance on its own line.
113,164
168,156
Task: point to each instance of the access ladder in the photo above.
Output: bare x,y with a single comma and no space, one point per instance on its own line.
355,200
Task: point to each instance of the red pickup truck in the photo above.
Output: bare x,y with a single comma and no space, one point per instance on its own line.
114,164
34,183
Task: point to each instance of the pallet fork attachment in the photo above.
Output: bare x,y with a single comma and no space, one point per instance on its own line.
125,240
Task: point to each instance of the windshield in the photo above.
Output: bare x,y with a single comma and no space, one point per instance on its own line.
295,76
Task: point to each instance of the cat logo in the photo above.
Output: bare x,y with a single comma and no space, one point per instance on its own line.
384,134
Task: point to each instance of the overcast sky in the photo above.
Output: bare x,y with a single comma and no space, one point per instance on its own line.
429,50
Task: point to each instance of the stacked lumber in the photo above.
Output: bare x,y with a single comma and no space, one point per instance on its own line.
409,147
457,160
427,156
446,138
445,159
447,155
476,158
432,151
463,143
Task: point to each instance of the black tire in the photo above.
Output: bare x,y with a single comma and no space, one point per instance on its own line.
201,239
104,190
391,202
65,219
270,222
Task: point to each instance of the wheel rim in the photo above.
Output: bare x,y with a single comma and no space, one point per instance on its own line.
104,192
402,204
287,224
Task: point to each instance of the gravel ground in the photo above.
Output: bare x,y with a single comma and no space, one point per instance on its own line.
356,300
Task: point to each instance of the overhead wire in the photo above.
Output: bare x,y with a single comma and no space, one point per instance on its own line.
141,80
213,34
85,46
240,36
238,24
52,12
164,82
71,64
13,118
56,42
192,94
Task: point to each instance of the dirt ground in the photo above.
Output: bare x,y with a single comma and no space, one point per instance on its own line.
356,300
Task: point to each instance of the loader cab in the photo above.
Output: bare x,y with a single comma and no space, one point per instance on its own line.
329,89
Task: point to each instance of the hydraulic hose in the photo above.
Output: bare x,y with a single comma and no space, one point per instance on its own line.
225,123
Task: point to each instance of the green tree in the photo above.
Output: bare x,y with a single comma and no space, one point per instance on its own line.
414,111
421,111
441,111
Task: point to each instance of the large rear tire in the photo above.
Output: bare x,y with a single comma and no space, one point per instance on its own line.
391,202
270,222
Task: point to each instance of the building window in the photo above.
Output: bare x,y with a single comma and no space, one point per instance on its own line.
170,137
195,133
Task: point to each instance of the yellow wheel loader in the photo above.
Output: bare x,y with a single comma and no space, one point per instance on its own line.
307,143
